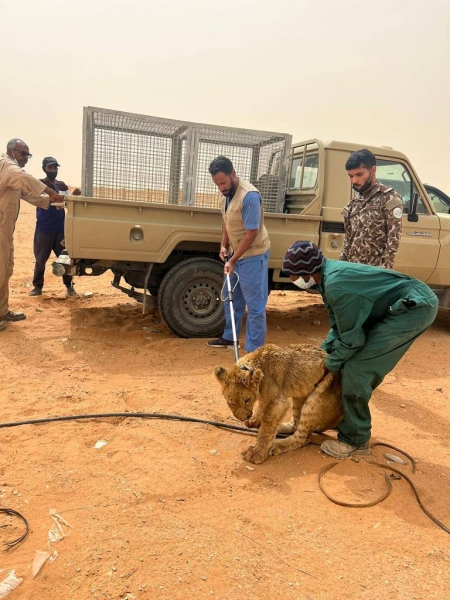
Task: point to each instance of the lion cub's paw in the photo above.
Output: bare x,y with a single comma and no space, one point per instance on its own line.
252,423
277,449
254,455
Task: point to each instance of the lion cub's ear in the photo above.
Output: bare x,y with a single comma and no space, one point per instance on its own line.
251,378
257,376
220,373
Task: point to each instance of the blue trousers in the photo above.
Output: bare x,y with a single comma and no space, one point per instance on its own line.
251,292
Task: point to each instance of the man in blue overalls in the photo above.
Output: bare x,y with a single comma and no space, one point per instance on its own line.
245,250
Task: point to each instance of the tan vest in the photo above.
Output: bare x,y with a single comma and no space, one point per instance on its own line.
235,225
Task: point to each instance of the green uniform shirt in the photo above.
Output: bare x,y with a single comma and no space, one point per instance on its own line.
356,297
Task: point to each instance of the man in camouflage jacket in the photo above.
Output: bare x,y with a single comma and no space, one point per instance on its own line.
373,218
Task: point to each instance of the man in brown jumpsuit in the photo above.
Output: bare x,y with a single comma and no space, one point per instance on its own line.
373,218
14,185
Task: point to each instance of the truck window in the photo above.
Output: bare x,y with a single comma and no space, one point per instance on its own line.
309,172
438,202
396,175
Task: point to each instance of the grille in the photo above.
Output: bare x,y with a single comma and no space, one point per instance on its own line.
332,227
150,159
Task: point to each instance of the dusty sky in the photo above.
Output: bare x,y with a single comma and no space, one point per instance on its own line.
367,71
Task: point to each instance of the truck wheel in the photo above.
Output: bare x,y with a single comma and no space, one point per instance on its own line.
189,298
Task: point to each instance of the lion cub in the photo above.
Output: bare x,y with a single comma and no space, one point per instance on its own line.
271,375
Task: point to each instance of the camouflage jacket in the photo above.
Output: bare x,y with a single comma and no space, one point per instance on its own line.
373,226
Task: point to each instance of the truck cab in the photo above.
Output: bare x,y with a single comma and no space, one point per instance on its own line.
318,185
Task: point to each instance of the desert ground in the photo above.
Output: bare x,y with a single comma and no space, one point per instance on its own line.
168,509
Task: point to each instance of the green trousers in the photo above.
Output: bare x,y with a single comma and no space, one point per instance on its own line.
386,342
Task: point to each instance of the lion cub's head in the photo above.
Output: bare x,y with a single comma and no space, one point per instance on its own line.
240,387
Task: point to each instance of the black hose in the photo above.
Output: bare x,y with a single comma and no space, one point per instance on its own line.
14,543
246,430
9,545
141,415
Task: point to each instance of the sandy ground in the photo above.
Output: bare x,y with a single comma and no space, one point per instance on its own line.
168,509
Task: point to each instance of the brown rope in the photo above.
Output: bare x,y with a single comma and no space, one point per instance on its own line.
351,504
388,486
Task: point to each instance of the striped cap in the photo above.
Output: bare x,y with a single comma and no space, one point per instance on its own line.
303,258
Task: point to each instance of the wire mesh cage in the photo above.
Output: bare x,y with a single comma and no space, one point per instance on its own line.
150,159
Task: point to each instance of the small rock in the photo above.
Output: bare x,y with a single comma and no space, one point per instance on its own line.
88,294
402,405
249,468
64,340
439,389
316,323
213,451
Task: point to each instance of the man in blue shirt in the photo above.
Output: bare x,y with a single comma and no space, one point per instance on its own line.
245,250
49,230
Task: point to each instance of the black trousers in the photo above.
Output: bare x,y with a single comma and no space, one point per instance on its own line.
44,243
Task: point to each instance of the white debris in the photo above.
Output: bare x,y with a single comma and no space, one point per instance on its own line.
394,458
88,294
100,444
57,533
40,558
9,583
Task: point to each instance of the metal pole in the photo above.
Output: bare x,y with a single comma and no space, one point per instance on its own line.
233,324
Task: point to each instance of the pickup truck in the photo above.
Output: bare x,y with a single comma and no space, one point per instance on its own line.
168,248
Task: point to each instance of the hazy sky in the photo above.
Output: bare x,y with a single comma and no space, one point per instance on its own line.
366,71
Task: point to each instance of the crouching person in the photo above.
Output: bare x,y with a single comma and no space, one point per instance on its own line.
375,316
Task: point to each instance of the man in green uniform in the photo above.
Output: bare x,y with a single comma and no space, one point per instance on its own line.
375,316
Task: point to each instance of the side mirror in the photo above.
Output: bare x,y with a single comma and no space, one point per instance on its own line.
412,214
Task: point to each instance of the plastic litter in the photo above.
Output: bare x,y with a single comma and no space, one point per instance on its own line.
100,444
9,583
57,533
40,558
395,459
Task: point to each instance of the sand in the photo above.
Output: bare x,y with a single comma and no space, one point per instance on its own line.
168,509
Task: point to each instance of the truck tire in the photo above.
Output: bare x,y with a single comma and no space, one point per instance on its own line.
189,298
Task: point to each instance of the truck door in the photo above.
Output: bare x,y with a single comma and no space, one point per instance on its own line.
419,247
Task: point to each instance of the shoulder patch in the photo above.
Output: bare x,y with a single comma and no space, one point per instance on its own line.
394,202
397,212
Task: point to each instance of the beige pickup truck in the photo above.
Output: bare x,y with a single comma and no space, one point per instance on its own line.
163,238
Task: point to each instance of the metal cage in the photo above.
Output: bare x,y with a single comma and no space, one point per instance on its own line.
149,159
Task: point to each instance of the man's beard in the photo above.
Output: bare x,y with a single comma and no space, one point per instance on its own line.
364,187
231,190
